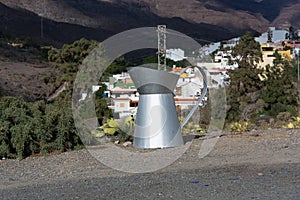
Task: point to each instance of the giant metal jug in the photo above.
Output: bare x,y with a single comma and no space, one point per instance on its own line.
157,124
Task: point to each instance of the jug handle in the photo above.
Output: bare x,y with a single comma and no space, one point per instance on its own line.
203,93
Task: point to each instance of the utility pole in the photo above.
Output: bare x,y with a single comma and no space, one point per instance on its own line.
42,15
42,27
161,36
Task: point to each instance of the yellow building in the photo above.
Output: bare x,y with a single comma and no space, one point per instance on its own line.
268,50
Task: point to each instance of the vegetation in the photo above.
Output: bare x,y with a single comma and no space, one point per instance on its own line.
72,53
29,128
34,128
244,81
294,123
249,96
68,60
239,127
117,67
279,93
117,131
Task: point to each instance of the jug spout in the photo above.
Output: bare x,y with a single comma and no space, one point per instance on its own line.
150,81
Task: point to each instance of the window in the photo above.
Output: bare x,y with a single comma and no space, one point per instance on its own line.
267,48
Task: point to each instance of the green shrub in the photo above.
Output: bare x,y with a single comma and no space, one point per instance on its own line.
29,128
239,127
118,131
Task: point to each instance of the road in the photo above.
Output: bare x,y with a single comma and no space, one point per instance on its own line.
258,166
234,182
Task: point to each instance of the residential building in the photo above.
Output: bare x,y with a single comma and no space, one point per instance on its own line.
175,54
224,58
294,45
272,35
268,50
124,107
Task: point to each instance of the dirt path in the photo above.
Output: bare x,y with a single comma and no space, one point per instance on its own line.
58,91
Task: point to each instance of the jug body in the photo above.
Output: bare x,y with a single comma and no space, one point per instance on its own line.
157,124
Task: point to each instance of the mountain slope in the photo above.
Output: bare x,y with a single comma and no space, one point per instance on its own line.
208,19
288,16
211,12
108,19
269,9
24,24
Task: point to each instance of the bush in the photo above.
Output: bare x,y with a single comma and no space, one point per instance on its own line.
72,53
122,131
294,123
239,127
33,128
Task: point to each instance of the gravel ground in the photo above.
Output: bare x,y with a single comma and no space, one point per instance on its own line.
255,165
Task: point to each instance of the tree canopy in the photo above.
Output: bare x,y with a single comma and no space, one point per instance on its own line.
245,84
72,53
248,95
279,92
247,52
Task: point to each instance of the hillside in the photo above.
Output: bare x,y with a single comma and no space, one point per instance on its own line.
211,20
22,71
237,14
65,21
25,24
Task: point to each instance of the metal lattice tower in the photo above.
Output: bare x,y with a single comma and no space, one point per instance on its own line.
161,34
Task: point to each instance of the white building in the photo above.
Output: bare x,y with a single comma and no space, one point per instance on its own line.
188,90
210,48
175,54
123,107
223,57
277,36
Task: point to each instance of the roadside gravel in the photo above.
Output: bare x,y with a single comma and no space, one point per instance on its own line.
249,155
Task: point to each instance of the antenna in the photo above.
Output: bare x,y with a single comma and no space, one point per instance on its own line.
161,34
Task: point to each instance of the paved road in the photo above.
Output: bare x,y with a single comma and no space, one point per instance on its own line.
231,182
258,166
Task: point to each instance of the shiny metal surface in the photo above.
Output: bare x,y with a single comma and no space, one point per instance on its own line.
150,81
157,124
